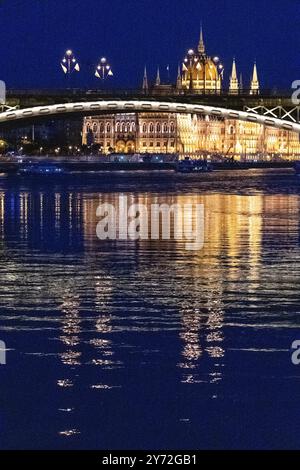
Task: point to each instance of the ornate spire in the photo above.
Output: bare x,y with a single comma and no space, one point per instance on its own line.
145,81
234,84
201,45
254,89
241,82
179,79
158,81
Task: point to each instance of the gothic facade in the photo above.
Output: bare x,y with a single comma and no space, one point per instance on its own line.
163,133
187,135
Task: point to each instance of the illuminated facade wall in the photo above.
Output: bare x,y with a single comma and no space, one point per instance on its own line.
187,134
130,133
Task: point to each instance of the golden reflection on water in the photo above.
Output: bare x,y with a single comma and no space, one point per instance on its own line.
238,229
234,226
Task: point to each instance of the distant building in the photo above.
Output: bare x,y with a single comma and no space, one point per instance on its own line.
190,134
132,132
201,73
187,135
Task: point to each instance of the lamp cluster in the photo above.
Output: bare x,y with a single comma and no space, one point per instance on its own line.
70,64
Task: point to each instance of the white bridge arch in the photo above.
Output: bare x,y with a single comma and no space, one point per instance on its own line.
115,106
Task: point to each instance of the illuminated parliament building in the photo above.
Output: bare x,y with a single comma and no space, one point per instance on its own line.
166,133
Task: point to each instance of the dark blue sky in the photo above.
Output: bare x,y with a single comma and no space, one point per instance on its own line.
35,33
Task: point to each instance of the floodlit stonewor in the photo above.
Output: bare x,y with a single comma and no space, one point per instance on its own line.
191,134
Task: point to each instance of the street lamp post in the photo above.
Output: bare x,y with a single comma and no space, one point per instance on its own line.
69,64
103,69
220,71
188,67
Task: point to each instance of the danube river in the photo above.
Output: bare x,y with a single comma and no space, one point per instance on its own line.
144,344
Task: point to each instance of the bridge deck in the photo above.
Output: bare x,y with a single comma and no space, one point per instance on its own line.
29,98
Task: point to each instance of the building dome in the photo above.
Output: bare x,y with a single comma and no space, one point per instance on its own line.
200,72
204,69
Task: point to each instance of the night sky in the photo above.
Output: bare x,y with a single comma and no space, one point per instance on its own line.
35,33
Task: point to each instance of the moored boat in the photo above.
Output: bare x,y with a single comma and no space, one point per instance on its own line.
41,168
194,166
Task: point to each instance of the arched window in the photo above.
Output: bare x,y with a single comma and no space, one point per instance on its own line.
95,127
88,126
172,127
145,128
126,128
118,127
132,127
165,127
102,128
151,128
123,127
158,128
108,128
231,130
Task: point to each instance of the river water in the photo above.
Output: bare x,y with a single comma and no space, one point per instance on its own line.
144,344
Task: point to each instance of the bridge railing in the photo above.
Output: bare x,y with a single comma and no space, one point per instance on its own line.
123,93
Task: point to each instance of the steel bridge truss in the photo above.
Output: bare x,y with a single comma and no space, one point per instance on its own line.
279,112
5,107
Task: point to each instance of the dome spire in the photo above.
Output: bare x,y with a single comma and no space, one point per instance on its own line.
201,45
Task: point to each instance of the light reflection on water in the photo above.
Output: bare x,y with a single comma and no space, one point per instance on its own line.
128,343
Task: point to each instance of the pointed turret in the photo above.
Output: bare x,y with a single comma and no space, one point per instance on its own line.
234,84
158,81
145,81
201,45
254,88
179,79
241,83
